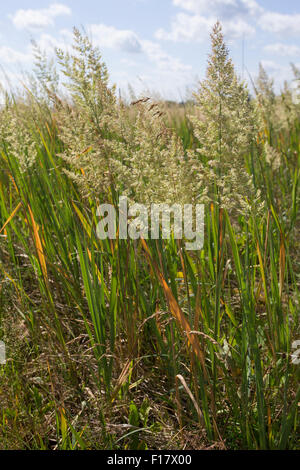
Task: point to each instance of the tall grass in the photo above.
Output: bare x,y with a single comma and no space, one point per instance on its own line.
142,344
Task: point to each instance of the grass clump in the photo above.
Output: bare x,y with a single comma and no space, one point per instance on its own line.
122,344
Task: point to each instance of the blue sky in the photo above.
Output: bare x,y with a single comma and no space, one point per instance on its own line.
156,44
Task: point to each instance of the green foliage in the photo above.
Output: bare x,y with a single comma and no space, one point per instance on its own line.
126,344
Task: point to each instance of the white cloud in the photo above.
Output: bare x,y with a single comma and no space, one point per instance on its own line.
109,36
280,23
11,56
187,28
10,80
237,28
48,43
33,20
279,72
157,69
271,66
128,41
128,62
220,8
238,17
290,50
164,61
197,23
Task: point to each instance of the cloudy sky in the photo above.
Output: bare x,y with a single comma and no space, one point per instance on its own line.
156,44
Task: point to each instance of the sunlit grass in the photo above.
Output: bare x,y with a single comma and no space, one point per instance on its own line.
121,344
